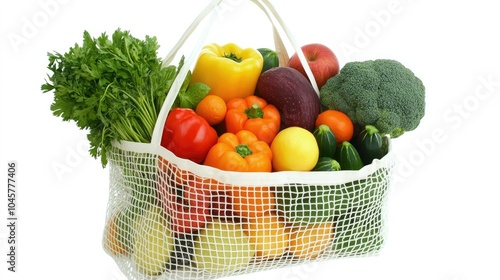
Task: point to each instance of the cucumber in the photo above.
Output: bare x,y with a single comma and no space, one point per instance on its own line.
369,144
385,145
348,157
270,58
327,143
326,164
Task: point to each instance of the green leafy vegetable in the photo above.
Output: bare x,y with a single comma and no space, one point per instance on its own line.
190,95
114,87
382,92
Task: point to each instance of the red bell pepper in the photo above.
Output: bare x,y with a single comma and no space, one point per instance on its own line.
184,197
190,212
188,135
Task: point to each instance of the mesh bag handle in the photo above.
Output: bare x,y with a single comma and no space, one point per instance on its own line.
145,181
245,178
210,9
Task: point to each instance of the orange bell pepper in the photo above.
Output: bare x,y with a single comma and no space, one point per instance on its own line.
253,114
242,152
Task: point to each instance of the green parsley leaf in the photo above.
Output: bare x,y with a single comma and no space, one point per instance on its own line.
112,87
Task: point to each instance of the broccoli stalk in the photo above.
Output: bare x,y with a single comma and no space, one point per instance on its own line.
383,93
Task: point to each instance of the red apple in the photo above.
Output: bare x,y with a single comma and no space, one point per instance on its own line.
322,61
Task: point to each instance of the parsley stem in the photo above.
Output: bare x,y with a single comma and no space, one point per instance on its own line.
114,86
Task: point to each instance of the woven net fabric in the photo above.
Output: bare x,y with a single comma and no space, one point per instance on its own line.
166,222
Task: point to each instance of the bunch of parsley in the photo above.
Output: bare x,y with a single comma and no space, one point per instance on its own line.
112,87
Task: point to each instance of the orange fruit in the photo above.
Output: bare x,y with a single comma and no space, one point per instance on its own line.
268,234
212,108
311,240
340,124
114,235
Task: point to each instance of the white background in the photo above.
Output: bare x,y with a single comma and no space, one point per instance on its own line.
444,214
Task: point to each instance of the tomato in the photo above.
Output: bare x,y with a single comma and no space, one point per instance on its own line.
339,123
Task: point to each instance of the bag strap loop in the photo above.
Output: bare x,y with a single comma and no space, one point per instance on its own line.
275,20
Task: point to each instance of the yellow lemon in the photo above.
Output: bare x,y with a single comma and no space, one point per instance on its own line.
294,149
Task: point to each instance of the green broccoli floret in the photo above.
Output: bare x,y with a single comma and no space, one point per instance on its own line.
383,93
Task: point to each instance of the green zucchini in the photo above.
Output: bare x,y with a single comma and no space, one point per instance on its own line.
327,143
309,204
359,231
348,157
369,144
270,59
385,145
326,164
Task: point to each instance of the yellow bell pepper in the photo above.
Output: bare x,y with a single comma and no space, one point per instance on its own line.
229,71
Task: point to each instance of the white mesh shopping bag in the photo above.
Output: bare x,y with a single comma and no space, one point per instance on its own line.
170,218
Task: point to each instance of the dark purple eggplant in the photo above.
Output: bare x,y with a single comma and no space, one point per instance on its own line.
292,94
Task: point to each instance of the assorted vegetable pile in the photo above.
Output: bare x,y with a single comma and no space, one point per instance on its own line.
239,110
